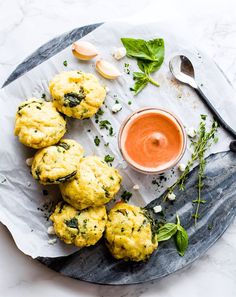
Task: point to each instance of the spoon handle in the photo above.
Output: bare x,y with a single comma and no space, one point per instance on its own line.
217,116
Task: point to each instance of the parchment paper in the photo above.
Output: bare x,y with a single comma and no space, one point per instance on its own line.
24,209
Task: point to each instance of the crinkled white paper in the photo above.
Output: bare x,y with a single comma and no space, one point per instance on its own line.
24,209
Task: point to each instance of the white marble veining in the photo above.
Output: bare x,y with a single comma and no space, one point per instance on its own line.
25,25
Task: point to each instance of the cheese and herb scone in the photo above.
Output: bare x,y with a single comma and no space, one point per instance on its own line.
95,184
76,94
130,233
58,163
81,228
38,124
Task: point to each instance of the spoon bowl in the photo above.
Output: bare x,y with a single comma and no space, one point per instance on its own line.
182,69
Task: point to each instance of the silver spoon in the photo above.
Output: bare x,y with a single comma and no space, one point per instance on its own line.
182,69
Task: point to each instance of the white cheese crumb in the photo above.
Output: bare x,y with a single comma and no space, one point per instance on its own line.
136,187
29,161
191,132
52,241
116,107
171,196
51,230
181,167
107,89
119,53
157,208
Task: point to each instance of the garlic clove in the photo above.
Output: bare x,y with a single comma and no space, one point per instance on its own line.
84,50
107,69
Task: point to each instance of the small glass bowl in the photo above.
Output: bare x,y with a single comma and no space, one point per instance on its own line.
134,165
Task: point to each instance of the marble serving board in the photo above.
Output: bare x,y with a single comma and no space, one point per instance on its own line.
95,264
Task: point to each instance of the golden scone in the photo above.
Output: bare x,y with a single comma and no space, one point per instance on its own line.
76,94
38,124
129,233
81,228
57,163
95,184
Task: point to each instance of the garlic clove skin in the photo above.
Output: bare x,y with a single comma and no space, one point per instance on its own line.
84,50
107,69
119,53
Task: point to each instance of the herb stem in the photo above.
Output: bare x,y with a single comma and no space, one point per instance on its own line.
153,81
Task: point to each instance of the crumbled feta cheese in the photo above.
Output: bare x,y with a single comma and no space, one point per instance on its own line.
116,107
191,132
181,167
119,53
29,161
136,187
157,208
171,196
51,230
107,89
52,241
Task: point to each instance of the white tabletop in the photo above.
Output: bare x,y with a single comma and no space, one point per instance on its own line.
27,24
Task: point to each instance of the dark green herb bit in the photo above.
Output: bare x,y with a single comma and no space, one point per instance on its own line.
73,99
43,96
126,196
106,144
129,102
100,112
97,141
109,158
72,223
45,192
65,63
111,133
64,145
65,178
104,124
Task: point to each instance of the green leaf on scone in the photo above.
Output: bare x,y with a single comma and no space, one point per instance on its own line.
109,158
72,223
166,232
181,240
73,99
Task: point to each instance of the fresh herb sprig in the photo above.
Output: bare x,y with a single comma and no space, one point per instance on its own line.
206,143
203,141
149,55
180,235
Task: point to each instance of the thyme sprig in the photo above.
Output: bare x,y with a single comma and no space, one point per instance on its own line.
202,142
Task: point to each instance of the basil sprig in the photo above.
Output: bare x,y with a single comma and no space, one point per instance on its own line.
149,55
180,235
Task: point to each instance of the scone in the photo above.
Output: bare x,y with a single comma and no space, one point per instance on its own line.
81,228
38,124
57,163
130,233
95,184
76,94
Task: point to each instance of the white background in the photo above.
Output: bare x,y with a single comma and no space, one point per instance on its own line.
24,26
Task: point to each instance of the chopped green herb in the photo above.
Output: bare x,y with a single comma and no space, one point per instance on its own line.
65,63
126,196
73,99
129,102
111,133
97,141
104,124
106,144
43,96
63,145
109,158
72,223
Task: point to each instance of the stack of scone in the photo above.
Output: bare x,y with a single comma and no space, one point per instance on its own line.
86,183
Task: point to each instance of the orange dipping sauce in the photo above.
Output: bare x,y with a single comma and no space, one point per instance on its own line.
152,140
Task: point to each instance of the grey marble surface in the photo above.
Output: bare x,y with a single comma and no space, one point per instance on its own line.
95,264
25,26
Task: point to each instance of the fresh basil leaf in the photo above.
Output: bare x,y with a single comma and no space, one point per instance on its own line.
73,99
152,50
181,240
157,49
137,48
166,231
141,80
149,66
